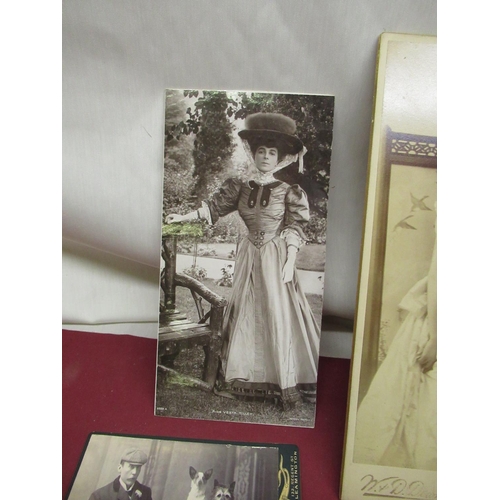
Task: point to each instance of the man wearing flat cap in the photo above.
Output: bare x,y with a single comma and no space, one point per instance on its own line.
126,486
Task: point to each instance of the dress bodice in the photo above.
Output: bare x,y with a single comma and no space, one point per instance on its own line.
262,209
266,210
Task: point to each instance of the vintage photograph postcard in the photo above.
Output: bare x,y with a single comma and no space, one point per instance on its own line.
246,182
143,468
390,448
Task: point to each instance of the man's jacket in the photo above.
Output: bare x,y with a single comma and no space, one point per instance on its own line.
115,491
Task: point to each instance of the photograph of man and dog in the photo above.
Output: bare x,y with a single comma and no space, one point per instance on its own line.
246,183
123,467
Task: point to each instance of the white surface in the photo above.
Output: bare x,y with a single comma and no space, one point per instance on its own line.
335,343
119,56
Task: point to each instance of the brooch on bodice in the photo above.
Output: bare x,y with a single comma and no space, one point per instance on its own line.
266,193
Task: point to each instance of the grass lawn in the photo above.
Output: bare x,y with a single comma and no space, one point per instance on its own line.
187,402
311,257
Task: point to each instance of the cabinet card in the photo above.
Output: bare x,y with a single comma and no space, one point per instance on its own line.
246,183
390,448
141,467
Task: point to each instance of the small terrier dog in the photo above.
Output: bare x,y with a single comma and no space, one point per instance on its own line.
222,492
198,483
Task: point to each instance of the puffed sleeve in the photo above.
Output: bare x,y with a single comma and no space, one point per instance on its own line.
296,215
225,200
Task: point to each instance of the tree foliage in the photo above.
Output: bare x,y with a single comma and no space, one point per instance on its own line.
178,180
213,146
209,119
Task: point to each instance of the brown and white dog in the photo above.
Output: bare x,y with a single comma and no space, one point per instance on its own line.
198,483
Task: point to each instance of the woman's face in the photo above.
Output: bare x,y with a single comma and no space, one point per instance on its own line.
266,159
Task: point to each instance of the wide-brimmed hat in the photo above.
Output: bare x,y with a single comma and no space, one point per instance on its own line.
262,128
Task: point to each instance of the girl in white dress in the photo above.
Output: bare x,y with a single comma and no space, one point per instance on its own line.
396,421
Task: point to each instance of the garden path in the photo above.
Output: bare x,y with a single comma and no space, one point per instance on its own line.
311,281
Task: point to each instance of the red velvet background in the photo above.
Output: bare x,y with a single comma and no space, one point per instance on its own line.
109,385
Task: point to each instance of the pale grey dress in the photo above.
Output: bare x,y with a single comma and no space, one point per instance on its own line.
271,339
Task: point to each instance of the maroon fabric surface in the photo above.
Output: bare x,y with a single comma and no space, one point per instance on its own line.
109,386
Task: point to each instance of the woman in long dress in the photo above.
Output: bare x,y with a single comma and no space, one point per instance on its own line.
396,421
270,338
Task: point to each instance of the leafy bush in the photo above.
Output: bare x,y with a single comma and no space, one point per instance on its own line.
196,272
226,230
316,229
183,229
227,276
206,252
185,246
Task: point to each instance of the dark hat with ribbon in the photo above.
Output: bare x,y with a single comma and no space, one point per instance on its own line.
272,128
134,456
